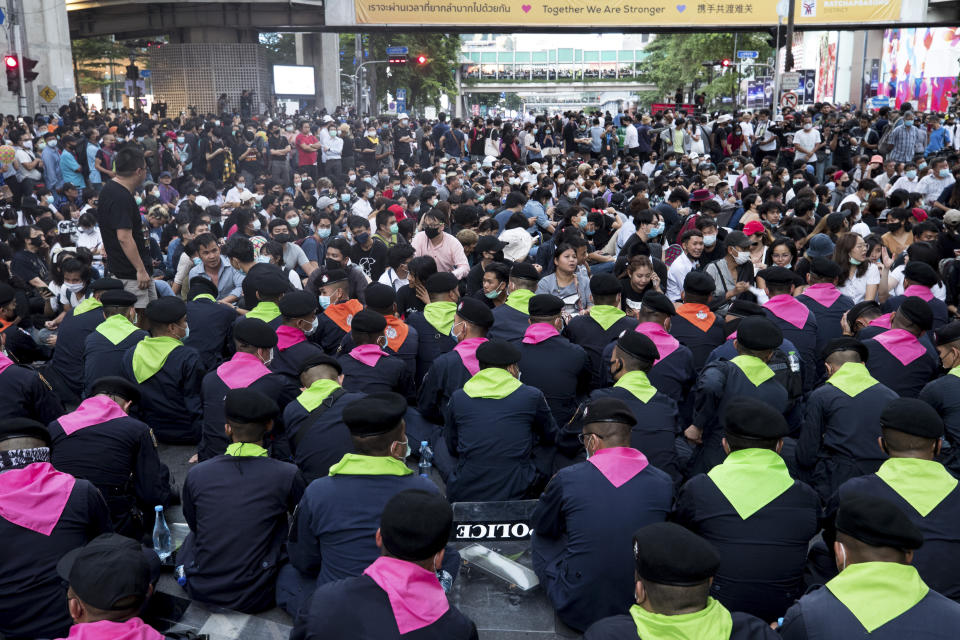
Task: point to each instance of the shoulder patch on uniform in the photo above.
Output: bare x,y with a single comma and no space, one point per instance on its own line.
153,439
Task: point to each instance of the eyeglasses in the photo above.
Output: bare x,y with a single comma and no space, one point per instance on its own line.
583,436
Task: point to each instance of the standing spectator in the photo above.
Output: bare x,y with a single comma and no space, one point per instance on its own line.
907,140
307,147
69,165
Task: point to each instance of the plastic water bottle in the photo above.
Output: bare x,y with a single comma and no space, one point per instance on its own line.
794,362
162,540
426,459
181,575
446,580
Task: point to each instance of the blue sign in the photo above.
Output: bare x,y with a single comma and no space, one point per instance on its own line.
144,73
880,101
397,51
401,94
748,54
401,106
2,16
503,95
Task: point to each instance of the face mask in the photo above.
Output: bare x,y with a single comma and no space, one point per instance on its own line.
807,127
333,133
433,202
743,257
572,194
352,177
180,139
169,145
394,228
944,173
50,199
345,197
432,232
911,173
755,173
561,180
293,222
316,320
657,230
369,193
282,238
854,261
186,332
583,222
362,238
263,259
493,294
672,164
908,123
155,193
710,240
371,133
323,232
138,200
75,287
41,145
324,302
8,225
289,127
240,185
922,166
37,242
197,262
256,224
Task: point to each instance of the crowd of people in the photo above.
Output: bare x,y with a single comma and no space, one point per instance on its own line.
721,352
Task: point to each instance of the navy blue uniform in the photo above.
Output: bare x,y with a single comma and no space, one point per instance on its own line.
905,379
941,315
388,374
325,438
333,324
745,627
430,343
943,394
584,525
103,357
286,362
26,395
211,329
406,350
701,337
817,298
446,375
587,332
560,370
237,508
508,323
804,338
67,360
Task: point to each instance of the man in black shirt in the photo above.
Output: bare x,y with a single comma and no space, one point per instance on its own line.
279,155
122,228
367,253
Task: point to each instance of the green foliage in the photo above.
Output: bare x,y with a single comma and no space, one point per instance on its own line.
91,56
511,101
281,48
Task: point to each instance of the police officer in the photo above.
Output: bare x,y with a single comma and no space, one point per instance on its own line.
236,506
839,436
435,324
299,311
247,369
585,518
269,289
825,301
501,431
332,535
367,368
695,325
919,278
317,434
550,362
398,594
402,339
605,322
45,513
865,320
759,518
103,349
338,309
674,570
745,375
211,322
737,311
169,374
898,358
943,394
25,393
101,443
922,488
878,594
794,319
510,318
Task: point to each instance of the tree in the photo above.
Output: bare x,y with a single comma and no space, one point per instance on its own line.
281,48
91,55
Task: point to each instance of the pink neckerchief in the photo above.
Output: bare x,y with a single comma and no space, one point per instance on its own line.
901,344
368,354
467,350
4,362
919,291
665,343
242,370
289,336
132,629
415,594
619,464
823,293
95,410
34,497
538,332
788,309
882,321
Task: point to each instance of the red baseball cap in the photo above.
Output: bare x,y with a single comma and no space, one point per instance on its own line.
752,227
919,214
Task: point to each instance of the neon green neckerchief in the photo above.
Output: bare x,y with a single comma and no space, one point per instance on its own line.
519,299
354,464
88,304
491,383
116,328
954,372
877,592
754,368
440,316
265,310
637,383
246,450
206,296
713,622
852,378
605,315
922,483
751,479
150,354
316,393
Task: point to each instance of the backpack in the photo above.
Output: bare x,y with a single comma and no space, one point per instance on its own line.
885,146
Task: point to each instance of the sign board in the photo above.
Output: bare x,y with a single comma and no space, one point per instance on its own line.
788,100
809,86
397,51
401,94
48,94
144,73
401,106
657,107
790,81
748,54
876,102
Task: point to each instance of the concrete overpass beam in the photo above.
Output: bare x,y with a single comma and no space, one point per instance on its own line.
206,35
322,52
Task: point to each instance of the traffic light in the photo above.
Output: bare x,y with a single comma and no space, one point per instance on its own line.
421,59
399,60
29,75
772,39
725,63
12,66
133,72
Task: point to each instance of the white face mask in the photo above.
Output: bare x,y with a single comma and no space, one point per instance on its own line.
807,127
743,257
74,287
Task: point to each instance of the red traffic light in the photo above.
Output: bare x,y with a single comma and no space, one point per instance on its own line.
725,62
11,62
421,59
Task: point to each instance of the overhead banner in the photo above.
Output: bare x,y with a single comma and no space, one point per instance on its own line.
618,13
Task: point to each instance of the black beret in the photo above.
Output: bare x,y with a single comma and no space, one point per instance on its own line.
366,321
255,332
751,418
297,304
247,405
605,284
272,284
608,410
475,312
699,283
666,553
320,360
441,282
544,305
824,268
948,333
118,298
917,311
416,524
379,295
744,309
116,386
913,416
374,415
498,353
7,293
659,303
638,345
759,334
200,285
524,271
858,309
845,343
876,522
780,275
331,276
166,310
921,273
23,428
106,284
109,572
